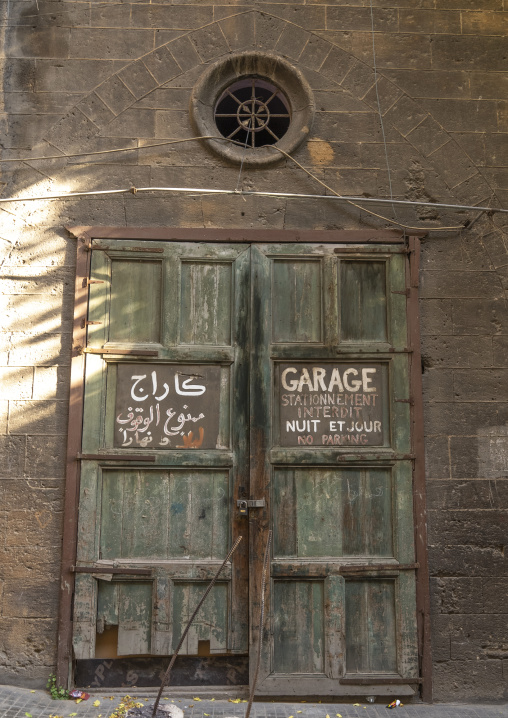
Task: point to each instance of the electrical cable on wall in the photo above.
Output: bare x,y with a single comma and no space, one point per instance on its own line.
353,201
254,193
350,200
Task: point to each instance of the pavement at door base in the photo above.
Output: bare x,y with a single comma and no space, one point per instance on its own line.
24,703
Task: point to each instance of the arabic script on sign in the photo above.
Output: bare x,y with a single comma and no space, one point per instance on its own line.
167,406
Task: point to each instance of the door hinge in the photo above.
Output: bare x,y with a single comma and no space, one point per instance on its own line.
107,569
121,352
401,291
405,401
151,250
85,323
379,680
116,457
87,281
379,567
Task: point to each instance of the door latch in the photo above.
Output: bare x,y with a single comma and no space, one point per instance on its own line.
245,504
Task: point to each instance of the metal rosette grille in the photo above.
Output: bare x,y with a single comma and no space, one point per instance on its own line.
253,112
252,108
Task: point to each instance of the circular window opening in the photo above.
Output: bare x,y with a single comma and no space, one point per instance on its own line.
252,108
253,112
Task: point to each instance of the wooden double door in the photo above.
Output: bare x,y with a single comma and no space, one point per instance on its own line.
277,373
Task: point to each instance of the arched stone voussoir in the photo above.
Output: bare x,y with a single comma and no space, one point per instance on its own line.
255,31
140,77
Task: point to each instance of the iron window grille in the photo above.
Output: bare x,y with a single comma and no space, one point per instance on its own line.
253,112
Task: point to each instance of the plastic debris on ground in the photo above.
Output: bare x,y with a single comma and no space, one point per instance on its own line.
79,695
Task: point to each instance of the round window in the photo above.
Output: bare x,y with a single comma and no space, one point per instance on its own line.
253,112
257,103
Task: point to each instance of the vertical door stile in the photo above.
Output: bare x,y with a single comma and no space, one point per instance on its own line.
419,486
335,629
331,329
72,469
260,426
240,441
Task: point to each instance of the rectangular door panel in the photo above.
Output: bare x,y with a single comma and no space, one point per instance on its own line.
371,645
127,606
320,512
210,625
206,290
135,302
362,301
297,315
298,627
149,514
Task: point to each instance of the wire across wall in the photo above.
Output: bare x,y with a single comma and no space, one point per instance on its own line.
357,202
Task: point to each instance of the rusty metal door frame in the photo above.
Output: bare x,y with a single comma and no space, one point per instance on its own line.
84,236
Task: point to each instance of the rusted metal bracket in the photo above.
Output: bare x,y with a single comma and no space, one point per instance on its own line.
405,292
151,250
361,250
379,681
86,323
122,352
376,457
105,569
87,281
405,401
380,567
468,225
115,457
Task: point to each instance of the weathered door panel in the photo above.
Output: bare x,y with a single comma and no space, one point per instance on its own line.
152,514
330,447
371,645
166,369
301,352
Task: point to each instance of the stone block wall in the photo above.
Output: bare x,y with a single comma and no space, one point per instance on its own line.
464,322
106,76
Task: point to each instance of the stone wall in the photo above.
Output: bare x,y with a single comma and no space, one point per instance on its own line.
94,76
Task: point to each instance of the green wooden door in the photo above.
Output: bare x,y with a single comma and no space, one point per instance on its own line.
330,452
223,372
163,461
